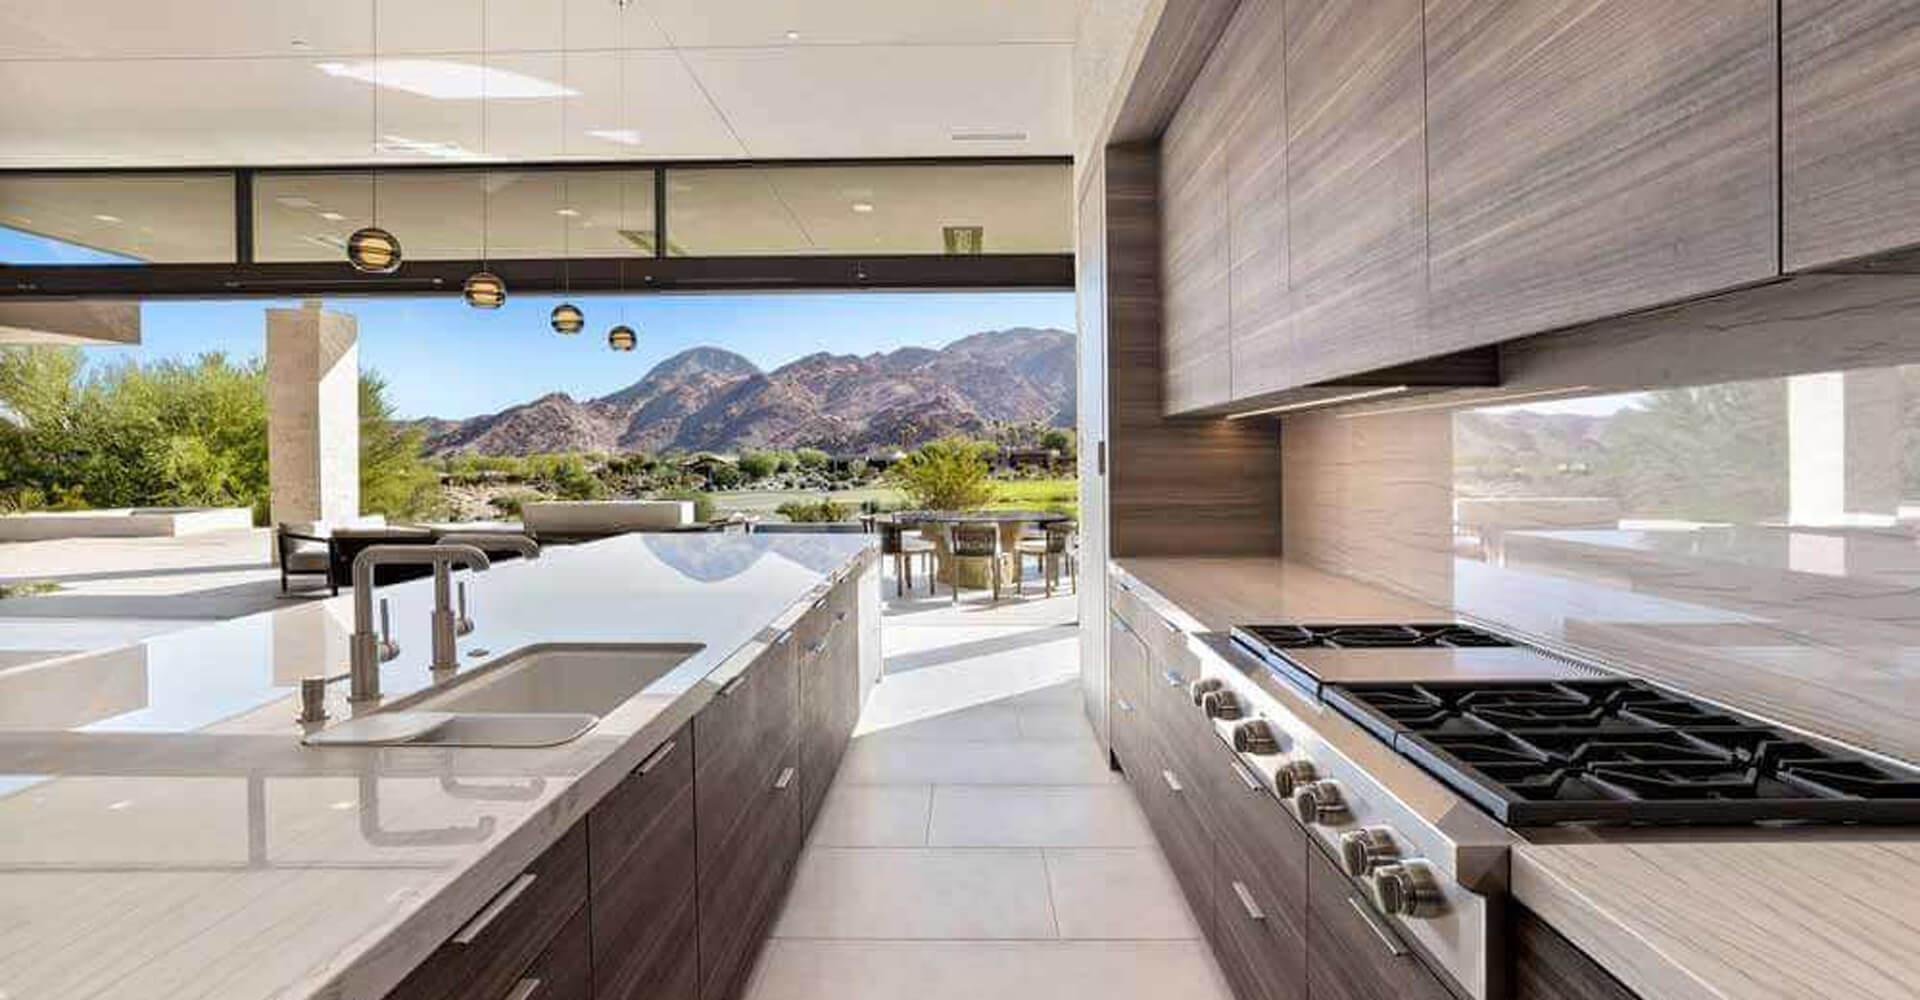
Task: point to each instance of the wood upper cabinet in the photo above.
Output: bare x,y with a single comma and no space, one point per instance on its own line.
1255,90
1356,186
1851,124
1591,159
1193,241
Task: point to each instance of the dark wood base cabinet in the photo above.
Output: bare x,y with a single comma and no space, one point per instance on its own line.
669,886
1352,954
1546,966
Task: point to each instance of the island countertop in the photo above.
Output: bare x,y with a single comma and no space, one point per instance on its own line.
1724,913
164,834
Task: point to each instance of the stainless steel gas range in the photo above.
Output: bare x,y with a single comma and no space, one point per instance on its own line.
1417,754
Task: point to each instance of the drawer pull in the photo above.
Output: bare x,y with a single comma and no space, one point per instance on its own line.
1246,776
785,779
727,689
524,989
1394,947
1171,627
817,648
839,616
1247,902
478,925
783,637
1173,782
1173,679
1125,706
653,759
1122,623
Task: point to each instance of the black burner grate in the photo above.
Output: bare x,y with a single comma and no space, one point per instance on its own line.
1622,751
1335,636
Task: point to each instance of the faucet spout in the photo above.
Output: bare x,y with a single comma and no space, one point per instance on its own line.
487,542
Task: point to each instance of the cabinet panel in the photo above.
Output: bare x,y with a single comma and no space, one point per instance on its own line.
1352,953
1588,160
1193,266
1256,174
490,953
564,971
1851,125
735,736
1356,186
1127,658
1165,795
743,877
641,841
1546,966
830,696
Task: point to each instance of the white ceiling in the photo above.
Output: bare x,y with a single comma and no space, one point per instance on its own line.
217,82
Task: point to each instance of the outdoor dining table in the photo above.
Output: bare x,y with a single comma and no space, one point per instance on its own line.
933,525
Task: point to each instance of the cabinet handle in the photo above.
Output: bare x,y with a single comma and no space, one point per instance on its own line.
1394,947
785,779
1124,705
1246,776
653,759
491,912
727,689
524,989
1173,782
1174,680
1247,902
1124,585
839,616
783,637
1122,622
817,648
1171,627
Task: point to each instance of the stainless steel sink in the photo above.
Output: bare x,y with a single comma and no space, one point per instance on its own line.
532,697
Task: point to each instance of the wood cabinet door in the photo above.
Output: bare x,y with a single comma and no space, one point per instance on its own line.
1260,886
1352,951
1356,186
1259,312
1127,677
743,877
1165,795
641,845
1591,159
737,739
1851,128
1193,240
1546,966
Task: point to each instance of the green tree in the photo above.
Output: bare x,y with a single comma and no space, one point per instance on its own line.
948,474
757,465
812,459
394,479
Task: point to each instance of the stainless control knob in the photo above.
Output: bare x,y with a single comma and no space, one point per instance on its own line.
1361,851
1221,705
1407,889
1255,737
1318,802
1292,775
1199,689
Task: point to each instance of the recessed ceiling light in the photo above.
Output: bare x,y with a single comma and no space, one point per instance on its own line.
623,136
793,36
446,80
568,212
332,216
299,43
863,207
295,201
107,218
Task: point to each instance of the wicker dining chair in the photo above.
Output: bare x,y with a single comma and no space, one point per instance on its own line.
973,543
1052,550
895,542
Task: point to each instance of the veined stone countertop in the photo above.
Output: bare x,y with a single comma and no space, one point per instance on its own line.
164,834
1726,913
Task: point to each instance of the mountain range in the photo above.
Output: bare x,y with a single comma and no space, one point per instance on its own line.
711,399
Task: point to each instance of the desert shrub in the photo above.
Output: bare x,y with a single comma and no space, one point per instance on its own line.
812,459
758,464
510,504
724,477
812,511
948,474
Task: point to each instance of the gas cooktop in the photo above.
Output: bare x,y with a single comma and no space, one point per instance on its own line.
1621,751
1312,656
1367,636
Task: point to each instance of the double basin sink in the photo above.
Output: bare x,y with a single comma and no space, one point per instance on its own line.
538,696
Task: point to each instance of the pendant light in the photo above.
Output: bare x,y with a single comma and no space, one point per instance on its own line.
566,318
370,249
484,289
622,337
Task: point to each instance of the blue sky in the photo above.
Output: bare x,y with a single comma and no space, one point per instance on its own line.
443,358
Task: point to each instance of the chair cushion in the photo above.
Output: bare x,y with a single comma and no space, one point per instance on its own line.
308,558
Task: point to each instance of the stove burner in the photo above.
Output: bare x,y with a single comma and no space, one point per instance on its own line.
1371,636
1622,751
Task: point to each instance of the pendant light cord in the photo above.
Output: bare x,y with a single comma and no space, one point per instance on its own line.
566,197
625,124
374,150
486,178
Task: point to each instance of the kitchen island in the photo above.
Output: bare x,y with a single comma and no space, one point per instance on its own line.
167,835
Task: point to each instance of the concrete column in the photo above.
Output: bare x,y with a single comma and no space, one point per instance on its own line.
1844,447
313,414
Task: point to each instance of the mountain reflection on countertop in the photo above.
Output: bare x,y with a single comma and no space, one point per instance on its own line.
700,562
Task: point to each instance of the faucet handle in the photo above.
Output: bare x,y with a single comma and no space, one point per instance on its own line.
388,648
462,624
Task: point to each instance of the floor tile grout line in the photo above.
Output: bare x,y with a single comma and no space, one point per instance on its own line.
1046,881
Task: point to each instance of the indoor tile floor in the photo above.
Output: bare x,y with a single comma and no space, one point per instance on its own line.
975,844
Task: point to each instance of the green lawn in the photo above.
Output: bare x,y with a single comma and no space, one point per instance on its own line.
1027,494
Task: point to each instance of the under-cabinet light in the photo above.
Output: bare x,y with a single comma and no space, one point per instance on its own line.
1308,404
1510,397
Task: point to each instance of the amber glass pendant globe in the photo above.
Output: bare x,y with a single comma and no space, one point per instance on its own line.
622,338
374,251
485,290
567,318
